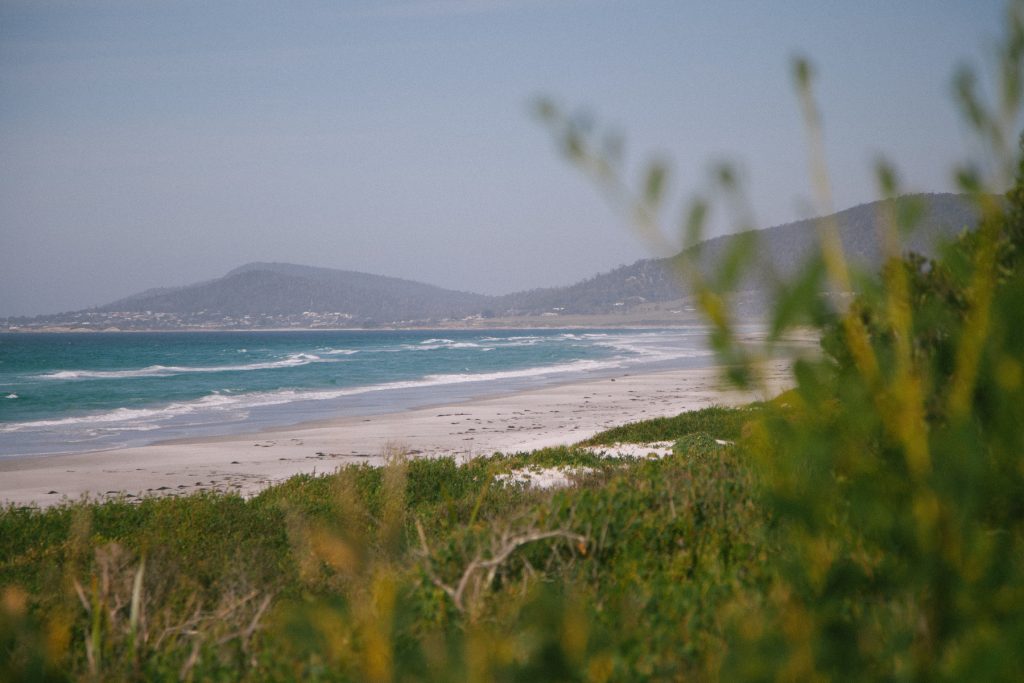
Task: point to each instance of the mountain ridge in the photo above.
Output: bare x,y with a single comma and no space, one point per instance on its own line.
270,294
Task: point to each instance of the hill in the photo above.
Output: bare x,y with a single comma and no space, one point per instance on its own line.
780,249
285,295
276,289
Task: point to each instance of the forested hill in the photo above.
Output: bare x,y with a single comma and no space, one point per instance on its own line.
279,294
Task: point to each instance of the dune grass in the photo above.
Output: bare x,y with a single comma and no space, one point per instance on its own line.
328,577
722,423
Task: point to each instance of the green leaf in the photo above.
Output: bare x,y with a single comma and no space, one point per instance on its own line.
696,217
802,72
654,185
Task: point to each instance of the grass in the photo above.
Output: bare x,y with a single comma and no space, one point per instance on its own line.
718,422
351,576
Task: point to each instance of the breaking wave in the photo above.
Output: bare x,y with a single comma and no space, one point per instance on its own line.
143,418
292,361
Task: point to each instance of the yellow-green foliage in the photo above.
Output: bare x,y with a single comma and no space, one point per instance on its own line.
422,570
896,475
894,472
868,524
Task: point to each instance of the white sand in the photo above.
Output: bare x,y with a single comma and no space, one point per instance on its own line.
246,463
656,449
543,477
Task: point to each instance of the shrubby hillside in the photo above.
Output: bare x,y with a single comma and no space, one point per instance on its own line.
780,249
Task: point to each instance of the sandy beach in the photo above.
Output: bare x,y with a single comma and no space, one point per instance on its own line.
247,463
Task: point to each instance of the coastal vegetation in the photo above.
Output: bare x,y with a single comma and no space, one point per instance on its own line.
422,570
867,524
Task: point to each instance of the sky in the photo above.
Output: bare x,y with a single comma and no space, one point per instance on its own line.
148,143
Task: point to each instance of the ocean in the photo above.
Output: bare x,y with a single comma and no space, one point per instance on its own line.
75,392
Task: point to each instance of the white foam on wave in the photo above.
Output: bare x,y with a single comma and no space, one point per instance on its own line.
116,415
653,347
628,350
483,343
574,366
504,342
144,419
141,419
292,361
440,344
11,395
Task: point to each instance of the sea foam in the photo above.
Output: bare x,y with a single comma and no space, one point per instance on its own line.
293,360
142,419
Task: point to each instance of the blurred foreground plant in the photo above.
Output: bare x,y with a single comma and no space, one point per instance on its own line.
894,470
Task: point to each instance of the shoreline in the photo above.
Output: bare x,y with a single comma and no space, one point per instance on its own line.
521,421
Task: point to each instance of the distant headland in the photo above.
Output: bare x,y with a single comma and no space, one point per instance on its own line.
265,296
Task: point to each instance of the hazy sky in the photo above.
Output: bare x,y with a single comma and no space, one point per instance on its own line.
147,142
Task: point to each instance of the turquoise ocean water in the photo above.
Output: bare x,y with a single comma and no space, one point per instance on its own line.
63,393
